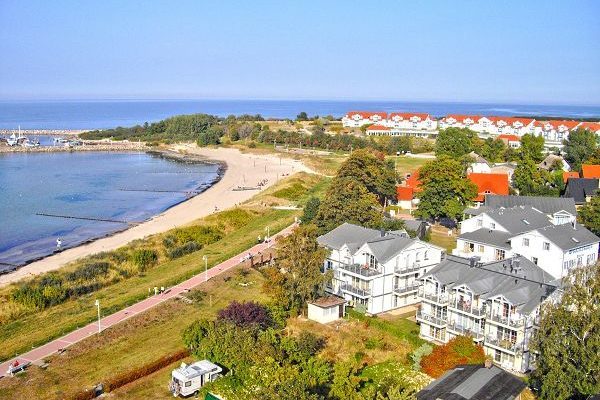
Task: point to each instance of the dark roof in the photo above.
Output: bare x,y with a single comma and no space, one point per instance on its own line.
580,188
488,236
351,235
547,205
328,301
473,382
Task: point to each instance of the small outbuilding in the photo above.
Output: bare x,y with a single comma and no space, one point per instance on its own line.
326,309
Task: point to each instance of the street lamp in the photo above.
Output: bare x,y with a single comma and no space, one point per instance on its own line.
268,234
205,258
98,305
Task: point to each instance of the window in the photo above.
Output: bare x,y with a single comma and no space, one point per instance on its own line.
526,242
372,261
500,254
426,256
479,223
480,248
188,384
498,356
580,260
546,246
492,225
534,260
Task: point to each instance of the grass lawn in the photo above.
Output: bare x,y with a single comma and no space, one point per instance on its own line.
128,345
406,164
439,237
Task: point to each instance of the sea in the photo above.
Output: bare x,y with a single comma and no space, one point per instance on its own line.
117,186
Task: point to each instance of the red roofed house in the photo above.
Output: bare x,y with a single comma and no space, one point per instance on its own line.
590,171
590,126
406,192
512,125
489,184
412,121
510,140
378,130
459,121
355,119
554,132
569,174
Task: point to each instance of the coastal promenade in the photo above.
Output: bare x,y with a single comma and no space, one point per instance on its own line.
37,355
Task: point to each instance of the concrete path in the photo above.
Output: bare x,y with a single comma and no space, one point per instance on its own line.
36,355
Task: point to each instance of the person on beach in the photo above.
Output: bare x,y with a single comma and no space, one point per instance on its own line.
58,243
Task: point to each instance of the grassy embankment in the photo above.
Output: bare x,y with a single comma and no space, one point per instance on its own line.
37,327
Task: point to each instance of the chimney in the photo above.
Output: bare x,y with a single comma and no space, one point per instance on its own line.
472,262
382,231
488,363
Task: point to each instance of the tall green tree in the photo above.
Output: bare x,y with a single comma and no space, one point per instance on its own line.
297,275
531,180
568,340
589,215
445,190
593,158
310,210
369,169
454,142
579,146
492,150
532,147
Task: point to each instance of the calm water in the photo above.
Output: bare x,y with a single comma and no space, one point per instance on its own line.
109,114
84,185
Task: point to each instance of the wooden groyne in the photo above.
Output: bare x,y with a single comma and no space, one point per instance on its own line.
116,221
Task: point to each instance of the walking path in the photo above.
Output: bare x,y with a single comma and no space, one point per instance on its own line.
38,354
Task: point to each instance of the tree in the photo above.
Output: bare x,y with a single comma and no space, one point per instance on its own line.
532,147
311,209
370,170
445,190
245,130
568,339
578,147
297,275
454,142
532,181
346,382
302,116
460,350
348,201
492,150
593,158
246,314
589,215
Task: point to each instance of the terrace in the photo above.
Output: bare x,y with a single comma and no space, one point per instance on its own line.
361,270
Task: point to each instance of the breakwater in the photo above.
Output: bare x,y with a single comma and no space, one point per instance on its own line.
88,145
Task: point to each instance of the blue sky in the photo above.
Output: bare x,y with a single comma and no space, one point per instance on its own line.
483,51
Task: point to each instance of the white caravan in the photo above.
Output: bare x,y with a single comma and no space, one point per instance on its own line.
188,379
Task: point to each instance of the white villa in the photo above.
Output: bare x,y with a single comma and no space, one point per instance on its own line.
375,270
497,304
355,119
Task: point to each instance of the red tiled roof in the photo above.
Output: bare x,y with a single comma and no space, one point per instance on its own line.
590,126
511,121
555,124
413,181
407,116
378,128
405,193
489,183
461,118
590,171
510,138
571,174
366,114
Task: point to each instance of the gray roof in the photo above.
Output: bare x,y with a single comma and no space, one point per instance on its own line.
547,205
385,248
580,188
568,236
351,235
476,210
519,219
473,382
487,236
519,280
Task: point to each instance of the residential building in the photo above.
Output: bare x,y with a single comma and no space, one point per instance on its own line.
511,127
554,132
582,189
408,122
590,171
461,121
496,303
378,130
590,126
405,196
376,270
355,119
474,382
507,168
513,141
559,210
489,184
489,126
479,164
568,175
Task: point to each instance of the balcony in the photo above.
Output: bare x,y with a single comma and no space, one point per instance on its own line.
430,319
438,298
467,307
361,270
506,321
503,344
411,287
364,293
475,333
408,269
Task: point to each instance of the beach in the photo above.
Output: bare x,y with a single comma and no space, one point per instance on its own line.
241,170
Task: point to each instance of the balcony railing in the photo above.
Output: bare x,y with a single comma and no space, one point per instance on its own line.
476,333
407,269
361,270
432,319
467,307
512,322
411,287
504,344
439,298
346,287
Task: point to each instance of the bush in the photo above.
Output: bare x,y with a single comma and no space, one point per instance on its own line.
89,271
46,292
416,356
184,249
144,258
246,314
460,350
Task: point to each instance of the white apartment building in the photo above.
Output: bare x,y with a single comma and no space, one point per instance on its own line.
497,304
356,119
412,122
489,126
375,270
554,132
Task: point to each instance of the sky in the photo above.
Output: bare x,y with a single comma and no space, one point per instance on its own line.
521,52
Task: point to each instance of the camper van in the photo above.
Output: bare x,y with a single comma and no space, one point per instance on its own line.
188,379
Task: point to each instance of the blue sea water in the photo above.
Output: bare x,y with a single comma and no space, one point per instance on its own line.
112,113
84,184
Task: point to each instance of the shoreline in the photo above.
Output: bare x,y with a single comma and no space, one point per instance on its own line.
235,166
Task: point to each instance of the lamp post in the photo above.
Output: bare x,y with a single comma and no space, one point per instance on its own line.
98,306
205,258
268,238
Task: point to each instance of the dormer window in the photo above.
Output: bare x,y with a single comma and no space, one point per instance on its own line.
546,246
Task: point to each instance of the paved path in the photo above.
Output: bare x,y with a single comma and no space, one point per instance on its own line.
39,353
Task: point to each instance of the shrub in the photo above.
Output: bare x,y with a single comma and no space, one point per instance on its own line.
416,356
144,258
46,292
292,192
252,145
460,350
184,249
246,314
89,271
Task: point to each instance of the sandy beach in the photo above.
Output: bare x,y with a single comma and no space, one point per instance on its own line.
242,170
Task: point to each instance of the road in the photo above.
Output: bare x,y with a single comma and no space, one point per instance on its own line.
36,355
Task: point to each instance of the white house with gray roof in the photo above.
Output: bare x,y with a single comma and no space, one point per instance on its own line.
376,270
496,303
